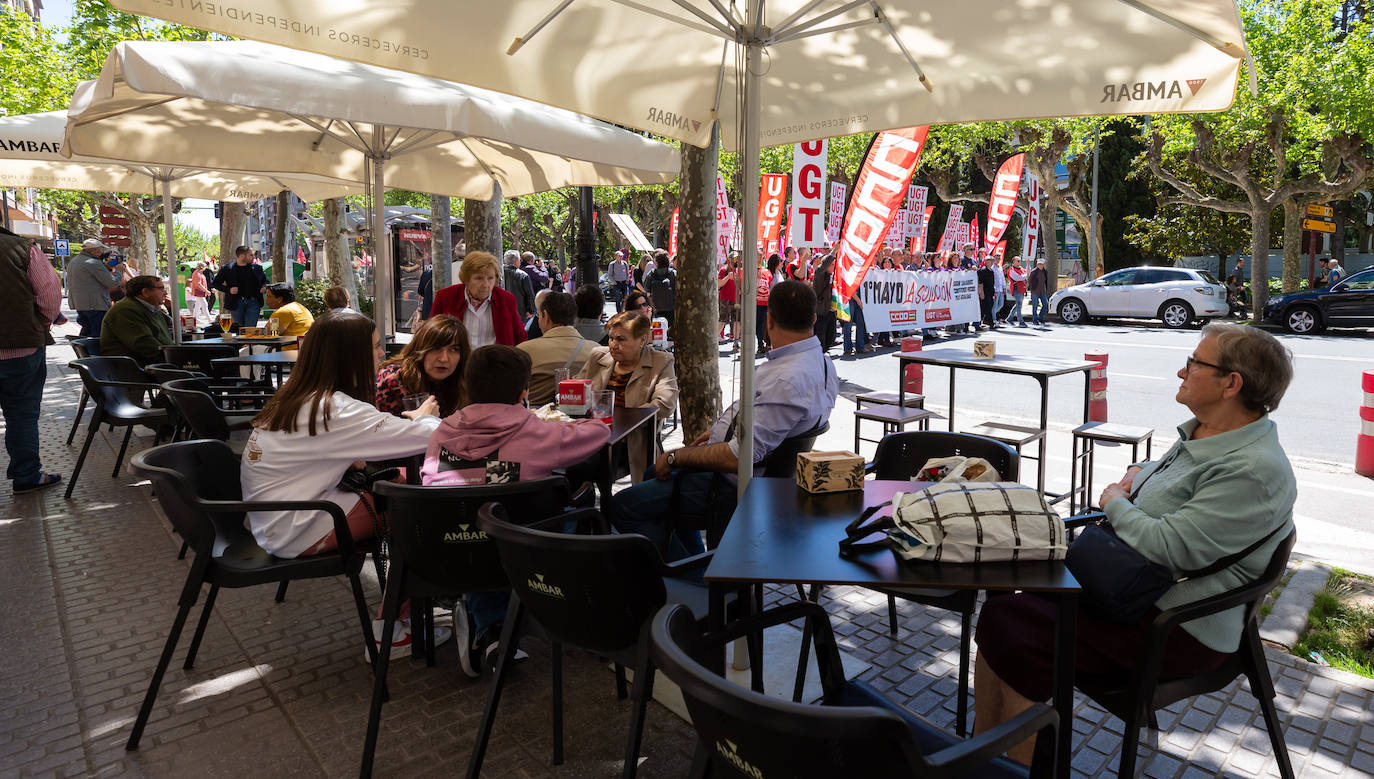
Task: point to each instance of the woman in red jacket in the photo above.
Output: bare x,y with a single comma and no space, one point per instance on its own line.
486,310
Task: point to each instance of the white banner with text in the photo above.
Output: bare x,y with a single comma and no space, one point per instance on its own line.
910,300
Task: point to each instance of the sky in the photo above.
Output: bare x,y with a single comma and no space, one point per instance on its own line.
196,213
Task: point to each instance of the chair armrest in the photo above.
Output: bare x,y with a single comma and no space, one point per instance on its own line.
341,532
585,497
686,564
584,517
1188,612
962,758
1083,520
143,385
870,468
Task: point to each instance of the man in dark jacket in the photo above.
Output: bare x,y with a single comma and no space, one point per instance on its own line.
517,283
662,286
242,283
987,296
30,299
1038,284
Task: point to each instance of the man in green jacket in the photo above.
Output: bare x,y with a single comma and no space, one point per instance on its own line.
137,325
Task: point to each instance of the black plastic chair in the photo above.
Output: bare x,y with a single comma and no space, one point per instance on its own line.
438,550
1135,698
899,457
854,731
83,347
199,357
597,592
197,484
191,399
781,463
110,381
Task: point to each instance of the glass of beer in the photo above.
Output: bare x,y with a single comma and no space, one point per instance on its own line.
273,327
226,321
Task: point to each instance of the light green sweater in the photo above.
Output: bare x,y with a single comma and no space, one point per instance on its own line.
1218,495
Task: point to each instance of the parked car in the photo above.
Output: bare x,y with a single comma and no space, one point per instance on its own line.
1347,303
1177,296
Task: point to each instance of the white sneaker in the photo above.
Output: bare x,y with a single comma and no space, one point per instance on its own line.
463,629
400,637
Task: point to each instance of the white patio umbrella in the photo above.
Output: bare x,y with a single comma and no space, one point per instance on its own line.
251,106
779,71
30,146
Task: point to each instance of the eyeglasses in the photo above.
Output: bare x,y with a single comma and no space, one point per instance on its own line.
1188,366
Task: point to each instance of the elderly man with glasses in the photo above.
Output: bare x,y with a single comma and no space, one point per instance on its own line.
138,325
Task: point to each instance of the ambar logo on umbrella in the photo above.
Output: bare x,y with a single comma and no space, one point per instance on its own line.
1149,90
32,147
672,119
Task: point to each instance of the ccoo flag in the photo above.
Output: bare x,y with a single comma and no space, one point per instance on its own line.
877,194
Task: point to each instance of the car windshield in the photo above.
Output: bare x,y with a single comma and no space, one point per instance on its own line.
1363,281
1208,277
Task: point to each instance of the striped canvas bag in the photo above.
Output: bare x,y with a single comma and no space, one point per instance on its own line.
964,522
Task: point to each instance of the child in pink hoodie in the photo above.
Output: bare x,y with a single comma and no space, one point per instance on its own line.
496,439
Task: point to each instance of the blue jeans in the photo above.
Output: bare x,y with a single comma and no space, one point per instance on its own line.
642,508
21,393
856,316
488,609
90,323
1015,313
246,312
1040,306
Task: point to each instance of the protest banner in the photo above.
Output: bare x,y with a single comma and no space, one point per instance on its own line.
909,300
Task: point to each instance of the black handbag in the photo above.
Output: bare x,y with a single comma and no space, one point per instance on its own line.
1120,584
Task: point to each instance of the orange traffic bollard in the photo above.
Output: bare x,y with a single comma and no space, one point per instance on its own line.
915,373
1097,388
1364,442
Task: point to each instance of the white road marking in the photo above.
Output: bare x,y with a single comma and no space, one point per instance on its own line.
1127,345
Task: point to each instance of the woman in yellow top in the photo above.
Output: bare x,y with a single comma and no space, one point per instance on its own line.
291,317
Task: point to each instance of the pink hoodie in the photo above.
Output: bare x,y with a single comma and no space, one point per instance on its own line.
490,438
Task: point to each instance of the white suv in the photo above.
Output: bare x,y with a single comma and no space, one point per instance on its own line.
1176,295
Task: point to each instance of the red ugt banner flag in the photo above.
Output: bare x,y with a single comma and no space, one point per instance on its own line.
1005,186
672,236
772,195
878,192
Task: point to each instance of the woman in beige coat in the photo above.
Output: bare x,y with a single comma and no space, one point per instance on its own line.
640,376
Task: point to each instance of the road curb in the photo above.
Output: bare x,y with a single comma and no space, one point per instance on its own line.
1288,619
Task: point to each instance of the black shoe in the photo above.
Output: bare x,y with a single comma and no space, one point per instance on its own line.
44,480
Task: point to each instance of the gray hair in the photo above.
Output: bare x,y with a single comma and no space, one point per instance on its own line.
512,256
527,257
1265,365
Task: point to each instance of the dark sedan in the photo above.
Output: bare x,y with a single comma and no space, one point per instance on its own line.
1347,303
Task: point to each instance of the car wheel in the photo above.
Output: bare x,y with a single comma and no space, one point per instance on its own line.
1176,314
1072,312
1302,320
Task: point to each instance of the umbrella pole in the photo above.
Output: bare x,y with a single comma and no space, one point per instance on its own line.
749,153
382,270
171,241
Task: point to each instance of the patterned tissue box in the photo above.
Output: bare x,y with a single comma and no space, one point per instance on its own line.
985,350
830,471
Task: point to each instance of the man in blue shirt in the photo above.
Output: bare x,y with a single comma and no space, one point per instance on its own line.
794,391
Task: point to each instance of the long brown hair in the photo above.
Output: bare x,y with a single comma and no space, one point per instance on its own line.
436,332
335,357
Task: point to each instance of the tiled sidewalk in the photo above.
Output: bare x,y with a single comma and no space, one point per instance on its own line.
281,690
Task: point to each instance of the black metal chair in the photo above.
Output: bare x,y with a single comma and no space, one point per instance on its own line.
83,347
853,731
197,484
1134,698
597,592
110,381
199,357
438,550
781,463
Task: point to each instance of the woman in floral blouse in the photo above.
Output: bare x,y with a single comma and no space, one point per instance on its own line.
432,363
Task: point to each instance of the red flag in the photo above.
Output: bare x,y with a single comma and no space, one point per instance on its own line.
772,195
300,256
1005,185
973,234
882,182
672,236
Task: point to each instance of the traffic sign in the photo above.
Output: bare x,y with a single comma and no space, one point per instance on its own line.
61,248
1318,210
1318,225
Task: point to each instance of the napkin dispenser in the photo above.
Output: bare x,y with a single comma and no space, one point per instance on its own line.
985,350
830,471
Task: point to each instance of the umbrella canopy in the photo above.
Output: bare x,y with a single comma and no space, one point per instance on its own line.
30,146
779,71
244,105
832,68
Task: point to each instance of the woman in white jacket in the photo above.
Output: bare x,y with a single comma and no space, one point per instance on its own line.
318,425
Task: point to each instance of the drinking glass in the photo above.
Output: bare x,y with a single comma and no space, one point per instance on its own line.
226,321
273,327
412,402
603,405
560,375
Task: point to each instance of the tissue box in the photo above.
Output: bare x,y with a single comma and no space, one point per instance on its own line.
985,350
574,397
830,471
